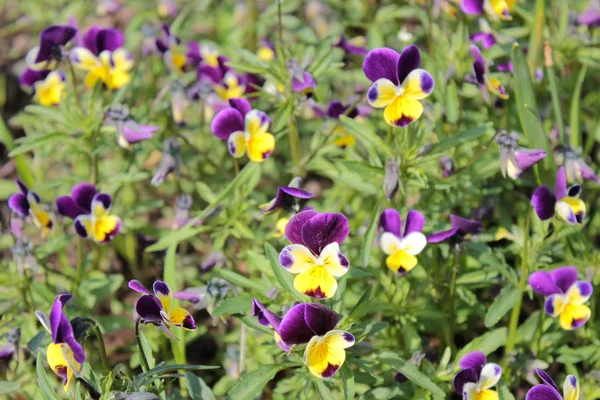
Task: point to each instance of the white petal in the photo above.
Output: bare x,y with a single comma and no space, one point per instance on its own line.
413,243
490,376
389,243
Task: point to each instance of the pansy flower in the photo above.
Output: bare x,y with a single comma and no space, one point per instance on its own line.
515,159
548,390
231,86
461,227
302,80
565,295
173,52
484,81
266,50
156,308
245,130
564,202
500,8
64,354
310,323
27,204
170,161
103,57
166,8
287,198
591,15
398,84
47,86
128,130
314,254
486,39
575,166
477,377
50,52
90,211
402,244
356,45
335,109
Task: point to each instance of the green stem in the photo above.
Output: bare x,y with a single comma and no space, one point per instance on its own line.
79,272
252,22
294,139
535,41
242,360
516,312
139,343
100,337
554,91
476,157
74,84
280,27
390,135
452,299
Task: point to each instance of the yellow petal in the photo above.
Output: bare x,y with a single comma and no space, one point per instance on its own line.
316,282
123,61
333,260
297,258
182,319
103,226
486,395
345,141
324,355
418,84
573,315
236,144
84,59
60,357
382,93
260,147
401,262
402,111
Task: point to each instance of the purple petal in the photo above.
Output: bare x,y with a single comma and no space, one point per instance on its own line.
564,277
414,222
307,83
463,377
590,17
324,229
286,198
479,71
109,39
134,132
148,307
335,109
265,317
193,53
472,6
62,332
382,63
206,72
52,37
226,122
7,351
19,204
474,360
161,288
241,105
441,236
527,158
391,221
543,392
293,230
137,286
465,226
487,40
303,321
543,201
21,186
295,192
68,208
587,172
29,77
103,199
90,39
80,228
410,59
546,378
560,186
83,194
542,283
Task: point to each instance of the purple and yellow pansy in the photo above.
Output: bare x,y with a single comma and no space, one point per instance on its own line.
245,130
231,86
477,377
90,211
266,50
51,50
103,57
576,168
128,130
564,202
486,83
565,295
402,244
548,390
287,198
515,159
314,254
398,84
46,86
312,324
356,45
170,47
461,228
335,109
156,308
65,355
499,8
27,204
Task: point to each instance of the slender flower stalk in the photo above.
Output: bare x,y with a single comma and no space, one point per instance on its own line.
139,343
101,344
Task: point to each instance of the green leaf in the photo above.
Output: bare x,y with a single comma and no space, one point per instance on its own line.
460,138
142,378
205,192
251,384
365,134
43,381
525,99
501,305
236,305
369,237
240,280
38,141
347,381
411,372
575,110
198,388
35,342
486,343
9,387
324,392
147,350
283,277
452,103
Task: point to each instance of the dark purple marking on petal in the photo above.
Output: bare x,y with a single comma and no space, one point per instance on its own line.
560,185
391,221
61,371
415,221
549,305
226,122
161,288
542,283
80,228
474,360
410,59
149,308
427,82
382,63
330,370
372,94
543,201
189,323
585,288
241,104
137,286
403,121
564,277
343,260
316,293
578,323
324,229
468,375
22,187
285,258
19,204
293,230
103,199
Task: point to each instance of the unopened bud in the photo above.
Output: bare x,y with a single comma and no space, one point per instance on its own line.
390,181
447,166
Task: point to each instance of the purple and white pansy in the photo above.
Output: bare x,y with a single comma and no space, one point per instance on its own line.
402,243
477,377
548,390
